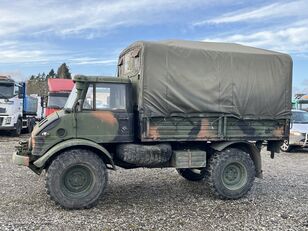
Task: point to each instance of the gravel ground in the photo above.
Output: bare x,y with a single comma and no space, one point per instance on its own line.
159,199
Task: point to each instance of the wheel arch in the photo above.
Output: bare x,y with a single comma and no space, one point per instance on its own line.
45,160
246,146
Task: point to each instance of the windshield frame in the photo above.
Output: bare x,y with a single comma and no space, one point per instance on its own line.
71,100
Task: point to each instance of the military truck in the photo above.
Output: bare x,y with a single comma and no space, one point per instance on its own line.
201,108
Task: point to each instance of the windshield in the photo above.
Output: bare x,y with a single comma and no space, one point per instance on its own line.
71,99
57,101
6,90
300,117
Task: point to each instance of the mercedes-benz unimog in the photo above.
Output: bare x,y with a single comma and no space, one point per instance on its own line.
202,108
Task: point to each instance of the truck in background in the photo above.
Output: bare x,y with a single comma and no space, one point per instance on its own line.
300,102
58,92
17,110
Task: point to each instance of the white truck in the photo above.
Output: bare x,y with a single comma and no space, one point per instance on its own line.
17,110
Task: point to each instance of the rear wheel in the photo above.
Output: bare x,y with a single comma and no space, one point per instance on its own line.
192,174
285,147
231,173
76,179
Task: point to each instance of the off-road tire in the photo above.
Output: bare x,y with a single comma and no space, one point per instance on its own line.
17,131
227,167
191,175
76,179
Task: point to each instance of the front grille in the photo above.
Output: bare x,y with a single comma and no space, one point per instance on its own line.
2,110
37,145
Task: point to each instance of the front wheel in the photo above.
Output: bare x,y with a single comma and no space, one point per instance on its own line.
76,179
285,147
231,173
192,174
18,127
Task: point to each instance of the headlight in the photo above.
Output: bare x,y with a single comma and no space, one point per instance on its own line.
6,101
296,133
45,134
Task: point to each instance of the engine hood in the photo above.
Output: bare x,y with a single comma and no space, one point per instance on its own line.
45,122
302,128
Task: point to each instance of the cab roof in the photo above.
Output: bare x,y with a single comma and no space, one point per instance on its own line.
100,79
58,85
6,79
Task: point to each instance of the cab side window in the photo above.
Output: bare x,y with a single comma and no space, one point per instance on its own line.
89,99
103,96
110,96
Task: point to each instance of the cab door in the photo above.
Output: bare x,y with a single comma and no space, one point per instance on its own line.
106,114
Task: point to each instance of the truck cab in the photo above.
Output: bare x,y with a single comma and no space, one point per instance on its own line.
17,110
99,109
58,92
11,104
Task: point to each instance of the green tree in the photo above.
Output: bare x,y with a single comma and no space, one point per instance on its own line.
63,72
43,76
51,74
38,76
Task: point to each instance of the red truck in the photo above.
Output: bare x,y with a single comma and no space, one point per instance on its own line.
58,92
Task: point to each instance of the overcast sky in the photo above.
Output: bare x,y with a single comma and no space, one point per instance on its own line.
88,35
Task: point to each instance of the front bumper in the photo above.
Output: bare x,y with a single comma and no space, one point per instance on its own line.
22,155
7,128
20,160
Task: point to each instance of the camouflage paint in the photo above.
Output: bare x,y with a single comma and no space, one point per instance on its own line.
39,163
107,127
98,126
212,129
51,127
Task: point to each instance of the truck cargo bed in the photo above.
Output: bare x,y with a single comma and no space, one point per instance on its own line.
212,128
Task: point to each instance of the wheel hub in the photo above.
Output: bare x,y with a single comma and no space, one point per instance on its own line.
231,173
234,176
77,180
285,145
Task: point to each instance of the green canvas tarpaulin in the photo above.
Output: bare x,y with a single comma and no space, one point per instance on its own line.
185,77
